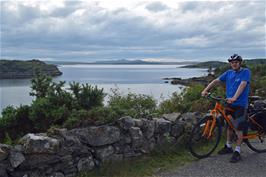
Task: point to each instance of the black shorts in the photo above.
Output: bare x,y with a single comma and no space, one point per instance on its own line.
239,115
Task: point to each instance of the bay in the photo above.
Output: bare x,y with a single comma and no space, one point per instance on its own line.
140,79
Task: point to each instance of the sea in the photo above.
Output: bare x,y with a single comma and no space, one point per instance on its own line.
139,79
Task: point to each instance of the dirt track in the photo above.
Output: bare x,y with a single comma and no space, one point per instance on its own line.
251,165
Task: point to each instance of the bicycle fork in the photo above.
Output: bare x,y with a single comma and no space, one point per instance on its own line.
208,128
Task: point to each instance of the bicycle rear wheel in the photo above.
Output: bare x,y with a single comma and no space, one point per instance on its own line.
258,143
200,145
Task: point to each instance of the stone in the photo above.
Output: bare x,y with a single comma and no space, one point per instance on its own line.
57,174
116,158
148,146
138,122
136,136
177,129
148,128
105,153
162,126
39,144
16,158
97,136
126,122
5,150
165,140
191,117
34,161
85,164
125,139
3,172
171,117
259,104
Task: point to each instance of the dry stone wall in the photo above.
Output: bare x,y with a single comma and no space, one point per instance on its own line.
65,153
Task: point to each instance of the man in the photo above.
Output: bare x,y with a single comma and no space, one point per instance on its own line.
237,82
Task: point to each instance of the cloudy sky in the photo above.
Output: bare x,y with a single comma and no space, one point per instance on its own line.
167,30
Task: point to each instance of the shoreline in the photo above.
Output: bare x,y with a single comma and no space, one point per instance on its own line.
191,81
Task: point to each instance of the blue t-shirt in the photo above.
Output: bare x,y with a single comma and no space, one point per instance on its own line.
233,80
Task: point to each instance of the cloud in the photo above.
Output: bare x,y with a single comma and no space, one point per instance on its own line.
96,30
156,6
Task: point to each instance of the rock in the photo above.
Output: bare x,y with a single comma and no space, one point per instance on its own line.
3,172
171,117
148,128
105,153
165,139
148,145
5,150
260,104
39,144
191,117
34,161
126,122
97,136
116,158
57,132
177,129
125,139
136,136
57,174
162,126
138,122
66,165
16,158
85,164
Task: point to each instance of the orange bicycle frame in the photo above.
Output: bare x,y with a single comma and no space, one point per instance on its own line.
210,124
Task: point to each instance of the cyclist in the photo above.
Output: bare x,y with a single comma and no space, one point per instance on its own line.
237,80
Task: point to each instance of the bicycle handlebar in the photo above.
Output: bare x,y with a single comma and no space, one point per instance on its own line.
216,98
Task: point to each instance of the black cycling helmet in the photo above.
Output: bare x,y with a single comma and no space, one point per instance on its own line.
235,57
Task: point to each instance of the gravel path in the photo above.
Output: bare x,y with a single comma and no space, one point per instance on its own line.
252,165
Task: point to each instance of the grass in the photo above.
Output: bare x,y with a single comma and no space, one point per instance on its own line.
148,165
158,161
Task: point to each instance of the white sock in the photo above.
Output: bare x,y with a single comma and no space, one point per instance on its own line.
237,149
229,144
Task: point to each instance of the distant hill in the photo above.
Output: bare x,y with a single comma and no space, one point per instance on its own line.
15,69
121,62
215,64
207,64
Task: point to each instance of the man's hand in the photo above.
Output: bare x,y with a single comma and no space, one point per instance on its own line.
204,93
231,100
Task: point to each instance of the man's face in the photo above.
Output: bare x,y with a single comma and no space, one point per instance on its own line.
235,65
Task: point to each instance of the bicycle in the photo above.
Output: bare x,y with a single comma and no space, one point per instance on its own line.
206,133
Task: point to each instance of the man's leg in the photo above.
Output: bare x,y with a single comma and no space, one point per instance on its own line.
239,140
241,120
227,149
229,135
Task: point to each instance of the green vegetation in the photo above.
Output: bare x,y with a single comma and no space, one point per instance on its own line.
208,64
144,166
82,104
14,69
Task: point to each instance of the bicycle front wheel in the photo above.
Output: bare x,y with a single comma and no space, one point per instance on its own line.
200,144
258,142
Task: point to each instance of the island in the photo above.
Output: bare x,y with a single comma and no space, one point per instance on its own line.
17,69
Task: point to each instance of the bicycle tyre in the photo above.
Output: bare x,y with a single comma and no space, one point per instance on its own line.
195,145
257,145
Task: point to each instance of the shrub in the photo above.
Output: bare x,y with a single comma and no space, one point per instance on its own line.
87,96
76,118
135,105
40,85
189,100
15,122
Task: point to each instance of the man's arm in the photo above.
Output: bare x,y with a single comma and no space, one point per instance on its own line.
239,90
210,86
